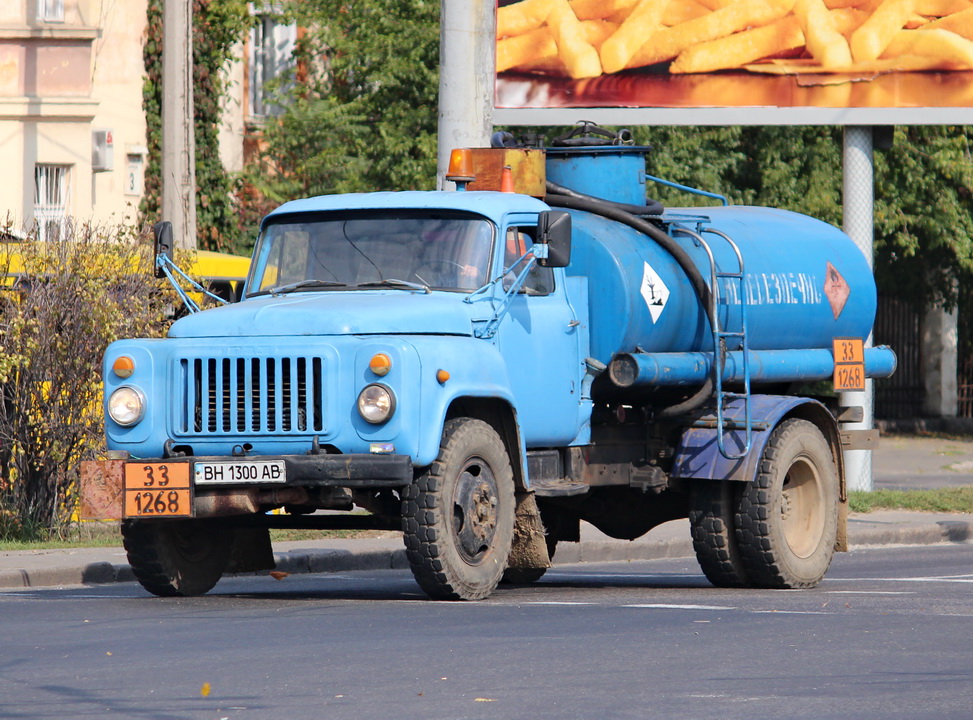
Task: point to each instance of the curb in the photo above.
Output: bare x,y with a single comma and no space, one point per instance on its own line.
941,531
98,573
330,560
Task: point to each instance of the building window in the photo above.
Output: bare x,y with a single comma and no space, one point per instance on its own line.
270,60
52,191
50,10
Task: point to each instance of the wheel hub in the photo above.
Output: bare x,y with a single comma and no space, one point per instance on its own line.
802,509
475,511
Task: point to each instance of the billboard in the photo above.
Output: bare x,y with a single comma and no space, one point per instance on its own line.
723,62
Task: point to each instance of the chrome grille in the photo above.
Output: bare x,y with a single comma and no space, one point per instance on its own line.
255,395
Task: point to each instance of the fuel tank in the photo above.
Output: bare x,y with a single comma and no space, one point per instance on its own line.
799,281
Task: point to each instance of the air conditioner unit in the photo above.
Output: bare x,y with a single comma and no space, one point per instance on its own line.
102,150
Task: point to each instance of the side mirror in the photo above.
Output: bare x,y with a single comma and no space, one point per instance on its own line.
554,230
162,245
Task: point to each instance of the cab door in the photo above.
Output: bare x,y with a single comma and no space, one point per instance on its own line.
540,337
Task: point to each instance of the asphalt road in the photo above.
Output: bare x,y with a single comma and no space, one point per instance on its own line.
889,634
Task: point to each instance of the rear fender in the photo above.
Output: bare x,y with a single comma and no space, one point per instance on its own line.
698,455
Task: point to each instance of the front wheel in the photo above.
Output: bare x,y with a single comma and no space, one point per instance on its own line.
787,518
458,517
176,557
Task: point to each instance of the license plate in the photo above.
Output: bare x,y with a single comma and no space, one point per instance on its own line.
156,489
240,471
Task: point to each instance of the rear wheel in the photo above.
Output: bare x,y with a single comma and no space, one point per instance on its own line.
458,517
177,557
711,518
787,519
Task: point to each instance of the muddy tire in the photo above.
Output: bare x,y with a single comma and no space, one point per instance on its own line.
787,519
458,516
713,506
176,557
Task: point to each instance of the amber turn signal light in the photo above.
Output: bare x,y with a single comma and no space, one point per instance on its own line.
123,366
380,364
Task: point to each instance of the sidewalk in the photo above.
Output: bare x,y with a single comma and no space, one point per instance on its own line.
900,463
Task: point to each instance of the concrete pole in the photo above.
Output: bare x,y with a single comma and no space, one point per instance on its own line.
858,201
939,362
467,48
178,137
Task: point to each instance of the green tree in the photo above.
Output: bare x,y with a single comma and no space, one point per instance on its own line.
924,214
360,111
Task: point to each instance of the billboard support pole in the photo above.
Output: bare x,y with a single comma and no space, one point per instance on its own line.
467,47
858,200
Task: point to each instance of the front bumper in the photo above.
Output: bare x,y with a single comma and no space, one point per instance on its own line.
109,491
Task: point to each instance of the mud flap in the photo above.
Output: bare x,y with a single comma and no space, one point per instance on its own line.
841,541
251,551
529,548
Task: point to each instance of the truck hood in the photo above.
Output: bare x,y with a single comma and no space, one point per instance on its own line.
395,312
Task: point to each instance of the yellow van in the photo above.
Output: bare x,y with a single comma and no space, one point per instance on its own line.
222,274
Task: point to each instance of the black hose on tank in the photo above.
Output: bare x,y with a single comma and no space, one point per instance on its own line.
651,207
612,211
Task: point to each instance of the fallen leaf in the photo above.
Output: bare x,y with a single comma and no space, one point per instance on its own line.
278,574
107,653
204,691
485,700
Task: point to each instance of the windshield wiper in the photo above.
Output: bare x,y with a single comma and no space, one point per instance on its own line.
305,284
396,283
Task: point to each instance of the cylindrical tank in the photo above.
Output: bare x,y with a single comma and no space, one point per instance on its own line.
609,172
804,282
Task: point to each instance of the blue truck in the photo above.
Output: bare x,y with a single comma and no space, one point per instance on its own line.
486,368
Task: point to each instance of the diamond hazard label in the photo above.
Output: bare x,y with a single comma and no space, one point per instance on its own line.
836,290
654,291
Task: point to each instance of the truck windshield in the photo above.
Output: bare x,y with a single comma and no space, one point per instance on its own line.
397,249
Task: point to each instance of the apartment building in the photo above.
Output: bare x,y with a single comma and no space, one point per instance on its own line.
72,129
72,126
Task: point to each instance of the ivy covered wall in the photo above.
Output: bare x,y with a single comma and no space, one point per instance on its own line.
218,25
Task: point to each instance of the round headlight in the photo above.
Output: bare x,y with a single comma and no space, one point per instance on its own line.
126,406
376,403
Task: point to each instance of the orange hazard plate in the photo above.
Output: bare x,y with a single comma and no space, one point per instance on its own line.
154,489
849,364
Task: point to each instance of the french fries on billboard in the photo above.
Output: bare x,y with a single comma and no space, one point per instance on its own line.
587,38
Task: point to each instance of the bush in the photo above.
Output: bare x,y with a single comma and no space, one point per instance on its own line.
61,303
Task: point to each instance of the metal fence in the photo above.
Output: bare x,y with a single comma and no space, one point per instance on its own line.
897,323
964,379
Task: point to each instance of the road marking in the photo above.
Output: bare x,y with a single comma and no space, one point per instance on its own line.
555,602
869,592
674,606
931,578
